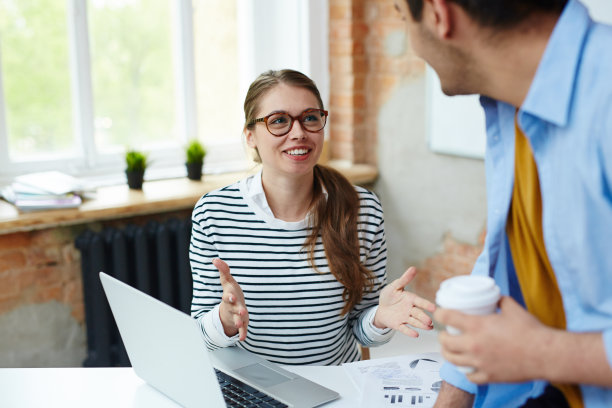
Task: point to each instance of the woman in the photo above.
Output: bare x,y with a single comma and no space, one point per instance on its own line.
306,248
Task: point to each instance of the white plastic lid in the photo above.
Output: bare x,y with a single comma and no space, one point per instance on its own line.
467,291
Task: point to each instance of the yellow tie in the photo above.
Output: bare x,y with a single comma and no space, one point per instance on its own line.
534,272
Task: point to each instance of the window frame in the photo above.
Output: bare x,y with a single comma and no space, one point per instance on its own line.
309,32
88,161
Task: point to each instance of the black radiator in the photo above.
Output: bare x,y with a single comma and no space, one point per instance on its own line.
153,258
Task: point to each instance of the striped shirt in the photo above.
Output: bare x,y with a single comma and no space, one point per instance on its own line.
294,311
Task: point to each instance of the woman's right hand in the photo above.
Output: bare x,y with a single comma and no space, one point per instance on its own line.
232,311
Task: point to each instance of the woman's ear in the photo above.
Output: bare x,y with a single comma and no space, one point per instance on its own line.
250,138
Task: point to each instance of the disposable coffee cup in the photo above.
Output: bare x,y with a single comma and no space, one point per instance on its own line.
470,294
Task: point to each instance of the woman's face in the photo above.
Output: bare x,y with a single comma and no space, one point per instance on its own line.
297,152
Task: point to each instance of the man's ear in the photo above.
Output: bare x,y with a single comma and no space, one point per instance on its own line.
441,17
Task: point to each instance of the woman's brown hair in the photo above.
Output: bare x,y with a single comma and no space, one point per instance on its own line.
333,217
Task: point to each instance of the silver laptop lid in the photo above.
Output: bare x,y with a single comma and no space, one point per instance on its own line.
164,345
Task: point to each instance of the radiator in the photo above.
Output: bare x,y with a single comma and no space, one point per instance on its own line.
153,258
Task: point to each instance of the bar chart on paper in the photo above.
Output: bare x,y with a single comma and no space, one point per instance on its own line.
412,396
401,400
402,381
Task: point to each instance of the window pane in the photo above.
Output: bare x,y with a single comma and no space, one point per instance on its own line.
36,77
220,118
133,74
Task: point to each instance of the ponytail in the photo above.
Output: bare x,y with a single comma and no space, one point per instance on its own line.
335,219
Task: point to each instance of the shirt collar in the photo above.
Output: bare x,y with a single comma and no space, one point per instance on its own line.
255,191
554,79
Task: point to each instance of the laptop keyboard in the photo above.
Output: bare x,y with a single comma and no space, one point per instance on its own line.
238,394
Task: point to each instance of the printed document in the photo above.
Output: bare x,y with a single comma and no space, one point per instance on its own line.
411,380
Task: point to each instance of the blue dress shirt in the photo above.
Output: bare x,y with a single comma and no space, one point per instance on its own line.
567,117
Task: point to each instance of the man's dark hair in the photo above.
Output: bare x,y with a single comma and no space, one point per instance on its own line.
496,13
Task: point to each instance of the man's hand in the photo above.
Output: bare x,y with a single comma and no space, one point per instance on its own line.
232,311
501,347
397,307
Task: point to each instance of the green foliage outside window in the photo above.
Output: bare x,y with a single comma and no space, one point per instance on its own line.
36,75
132,73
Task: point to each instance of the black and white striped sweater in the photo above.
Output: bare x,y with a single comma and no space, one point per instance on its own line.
294,311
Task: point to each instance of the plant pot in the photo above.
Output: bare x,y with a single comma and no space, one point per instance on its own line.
194,171
135,179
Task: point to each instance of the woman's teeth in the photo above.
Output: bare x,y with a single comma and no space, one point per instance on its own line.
297,152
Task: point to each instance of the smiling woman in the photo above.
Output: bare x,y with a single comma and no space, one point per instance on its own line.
306,249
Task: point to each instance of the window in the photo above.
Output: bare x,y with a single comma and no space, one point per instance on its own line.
36,79
81,81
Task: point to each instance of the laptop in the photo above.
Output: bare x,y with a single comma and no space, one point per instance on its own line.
167,350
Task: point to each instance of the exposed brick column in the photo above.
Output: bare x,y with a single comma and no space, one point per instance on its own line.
369,55
348,69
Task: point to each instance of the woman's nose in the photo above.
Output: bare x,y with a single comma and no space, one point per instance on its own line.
297,131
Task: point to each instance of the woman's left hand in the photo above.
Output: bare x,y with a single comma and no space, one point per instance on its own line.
398,308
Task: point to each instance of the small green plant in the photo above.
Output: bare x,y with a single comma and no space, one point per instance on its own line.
135,160
195,152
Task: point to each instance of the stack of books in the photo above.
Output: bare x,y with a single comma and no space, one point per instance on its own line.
44,191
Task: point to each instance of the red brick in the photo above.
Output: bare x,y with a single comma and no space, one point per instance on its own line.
346,47
350,11
27,278
9,286
342,151
47,276
341,134
13,259
387,11
48,293
347,83
356,100
15,240
8,304
73,292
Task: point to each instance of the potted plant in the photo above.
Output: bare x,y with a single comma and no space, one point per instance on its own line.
136,164
195,153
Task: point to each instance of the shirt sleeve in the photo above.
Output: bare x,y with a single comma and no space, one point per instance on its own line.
213,328
450,374
607,339
207,289
374,257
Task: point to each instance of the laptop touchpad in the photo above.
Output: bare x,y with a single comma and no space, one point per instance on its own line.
261,375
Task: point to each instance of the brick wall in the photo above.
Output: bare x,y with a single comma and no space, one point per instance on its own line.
42,266
362,73
40,278
370,55
38,267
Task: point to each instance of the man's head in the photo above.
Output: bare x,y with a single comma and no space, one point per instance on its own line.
452,36
496,13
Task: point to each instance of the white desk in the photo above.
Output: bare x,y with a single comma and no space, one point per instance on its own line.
120,387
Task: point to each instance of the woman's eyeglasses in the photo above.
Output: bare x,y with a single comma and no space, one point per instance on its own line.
280,123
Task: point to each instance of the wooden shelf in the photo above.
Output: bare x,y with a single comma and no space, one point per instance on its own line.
155,197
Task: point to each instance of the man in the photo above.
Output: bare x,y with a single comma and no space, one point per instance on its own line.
543,69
